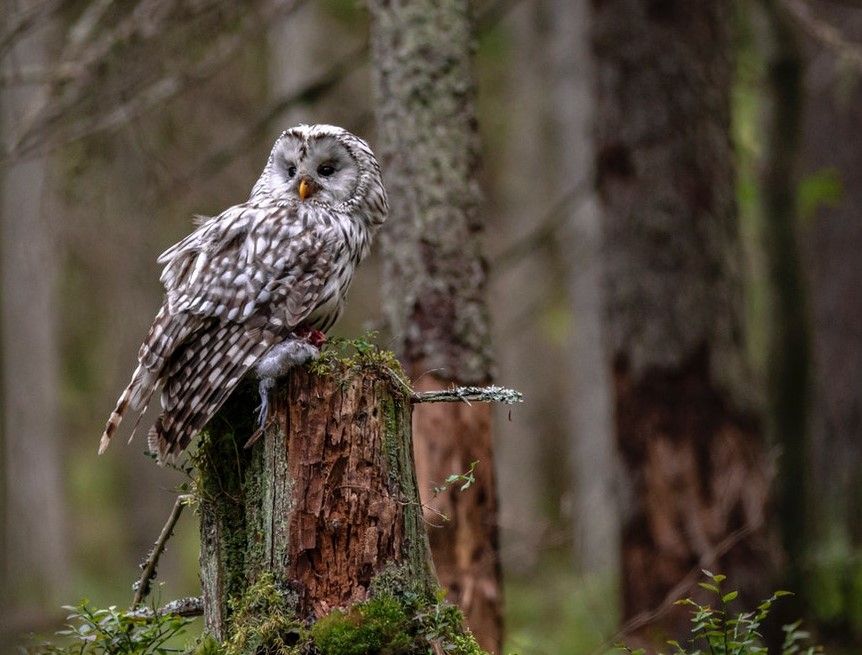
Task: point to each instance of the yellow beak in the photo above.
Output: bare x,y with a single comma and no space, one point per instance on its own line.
305,188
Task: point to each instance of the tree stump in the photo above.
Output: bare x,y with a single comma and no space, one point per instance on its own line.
325,504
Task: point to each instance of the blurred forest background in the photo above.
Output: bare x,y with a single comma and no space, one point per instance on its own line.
673,230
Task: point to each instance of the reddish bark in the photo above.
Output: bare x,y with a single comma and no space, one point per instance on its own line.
448,438
326,502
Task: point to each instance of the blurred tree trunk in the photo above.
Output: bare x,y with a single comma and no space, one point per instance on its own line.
530,358
434,279
591,450
35,532
831,199
789,350
688,431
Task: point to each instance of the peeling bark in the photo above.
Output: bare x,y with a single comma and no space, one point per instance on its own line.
325,502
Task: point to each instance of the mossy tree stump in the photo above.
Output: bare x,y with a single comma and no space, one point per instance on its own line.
325,503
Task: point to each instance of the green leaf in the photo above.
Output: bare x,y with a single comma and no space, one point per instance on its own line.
823,188
729,597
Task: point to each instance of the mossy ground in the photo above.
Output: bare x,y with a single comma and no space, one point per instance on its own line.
263,621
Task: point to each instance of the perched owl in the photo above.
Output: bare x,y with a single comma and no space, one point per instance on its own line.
255,287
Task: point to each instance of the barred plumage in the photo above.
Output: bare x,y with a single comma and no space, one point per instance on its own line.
256,276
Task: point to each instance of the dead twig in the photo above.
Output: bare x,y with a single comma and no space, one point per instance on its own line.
682,588
148,568
823,32
492,394
187,607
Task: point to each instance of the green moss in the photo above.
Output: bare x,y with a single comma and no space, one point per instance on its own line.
263,621
389,625
398,619
206,645
341,354
380,625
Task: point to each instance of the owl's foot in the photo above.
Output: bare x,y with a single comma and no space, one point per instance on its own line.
276,362
264,388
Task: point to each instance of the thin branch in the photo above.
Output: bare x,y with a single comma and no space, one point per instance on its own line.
307,94
683,587
188,607
545,231
825,33
492,394
311,92
26,20
148,568
41,135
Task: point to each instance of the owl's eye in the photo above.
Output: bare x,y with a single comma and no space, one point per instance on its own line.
291,171
325,170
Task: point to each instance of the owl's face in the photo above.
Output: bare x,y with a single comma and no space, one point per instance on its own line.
313,162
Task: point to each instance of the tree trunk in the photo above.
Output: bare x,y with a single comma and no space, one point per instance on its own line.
434,278
832,184
593,464
688,432
35,538
325,504
531,356
789,348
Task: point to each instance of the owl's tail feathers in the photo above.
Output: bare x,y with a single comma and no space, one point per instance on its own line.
199,384
135,397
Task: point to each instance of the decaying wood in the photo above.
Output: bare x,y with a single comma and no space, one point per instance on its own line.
325,501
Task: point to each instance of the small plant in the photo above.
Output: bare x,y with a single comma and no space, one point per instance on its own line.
716,631
465,480
110,631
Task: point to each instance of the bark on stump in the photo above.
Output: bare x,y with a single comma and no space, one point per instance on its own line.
324,502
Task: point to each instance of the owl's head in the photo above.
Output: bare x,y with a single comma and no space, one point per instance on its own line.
326,164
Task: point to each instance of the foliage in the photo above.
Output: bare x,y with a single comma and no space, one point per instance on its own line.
263,618
111,632
552,608
464,480
822,188
716,631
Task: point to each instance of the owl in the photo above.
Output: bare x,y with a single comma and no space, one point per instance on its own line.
256,287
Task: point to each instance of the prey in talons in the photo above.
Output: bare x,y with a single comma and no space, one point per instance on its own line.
302,346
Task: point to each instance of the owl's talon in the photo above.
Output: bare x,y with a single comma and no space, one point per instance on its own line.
264,388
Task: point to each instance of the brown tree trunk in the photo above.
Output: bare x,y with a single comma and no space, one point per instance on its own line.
688,431
434,278
325,503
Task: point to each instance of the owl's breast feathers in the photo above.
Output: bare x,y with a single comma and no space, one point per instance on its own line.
237,285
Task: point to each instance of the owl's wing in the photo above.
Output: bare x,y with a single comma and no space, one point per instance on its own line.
247,258
234,286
